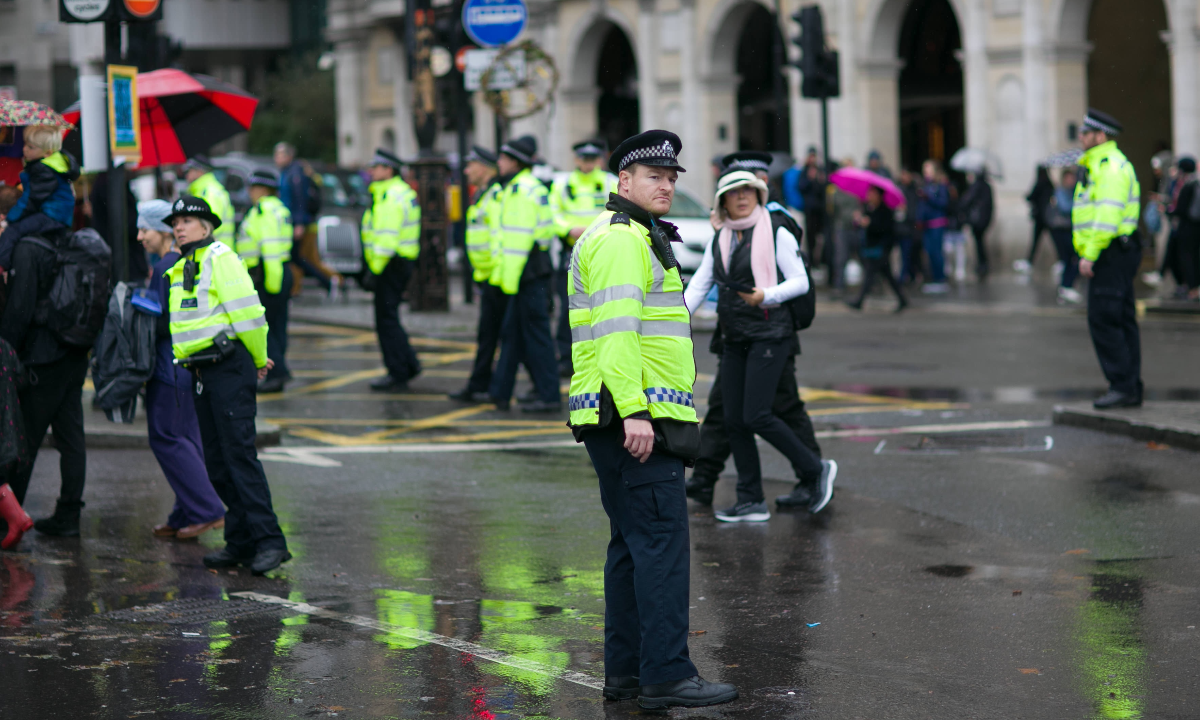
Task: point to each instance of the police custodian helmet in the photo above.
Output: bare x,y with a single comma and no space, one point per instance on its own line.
192,206
653,147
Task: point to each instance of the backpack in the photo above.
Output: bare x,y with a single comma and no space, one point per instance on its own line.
1193,210
78,299
124,356
804,307
312,198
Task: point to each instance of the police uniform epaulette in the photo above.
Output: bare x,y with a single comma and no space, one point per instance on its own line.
619,219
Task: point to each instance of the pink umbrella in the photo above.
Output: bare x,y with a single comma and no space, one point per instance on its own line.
857,181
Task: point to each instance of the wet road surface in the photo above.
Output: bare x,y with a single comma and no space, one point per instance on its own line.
975,563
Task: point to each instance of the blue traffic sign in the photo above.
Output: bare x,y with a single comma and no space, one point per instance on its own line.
492,23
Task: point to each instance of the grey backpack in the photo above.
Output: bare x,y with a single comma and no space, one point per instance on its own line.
123,358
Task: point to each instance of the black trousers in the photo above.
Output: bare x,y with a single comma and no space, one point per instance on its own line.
750,375
714,440
979,232
875,267
54,399
646,575
1189,256
225,407
398,355
1170,262
1039,227
276,306
492,305
525,338
562,334
1112,317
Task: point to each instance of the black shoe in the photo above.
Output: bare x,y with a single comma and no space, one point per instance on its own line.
901,305
744,512
1116,399
63,523
466,395
699,489
269,559
387,383
799,497
501,405
824,491
225,558
273,385
622,687
856,305
541,406
690,692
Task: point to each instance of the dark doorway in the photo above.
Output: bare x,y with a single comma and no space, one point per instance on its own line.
763,123
617,78
931,84
1129,76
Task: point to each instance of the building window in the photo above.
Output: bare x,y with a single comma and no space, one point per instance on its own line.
8,74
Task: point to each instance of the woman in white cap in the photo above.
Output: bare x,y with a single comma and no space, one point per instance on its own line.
757,265
170,410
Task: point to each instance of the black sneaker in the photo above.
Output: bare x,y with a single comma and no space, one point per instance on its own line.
824,491
744,512
267,560
63,523
699,489
1116,399
621,687
226,558
689,692
799,497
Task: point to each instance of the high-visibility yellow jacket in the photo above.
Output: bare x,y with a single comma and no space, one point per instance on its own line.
523,219
392,225
576,200
1107,200
209,189
266,237
223,301
481,241
630,330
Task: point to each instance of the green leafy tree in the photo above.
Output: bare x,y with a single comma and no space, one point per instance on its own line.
298,106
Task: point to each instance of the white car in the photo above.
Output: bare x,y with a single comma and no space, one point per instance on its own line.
691,216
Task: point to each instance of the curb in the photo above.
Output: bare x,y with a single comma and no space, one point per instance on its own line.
1138,428
131,438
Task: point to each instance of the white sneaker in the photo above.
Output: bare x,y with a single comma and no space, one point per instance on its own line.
1153,279
1056,271
1022,266
1069,295
935,288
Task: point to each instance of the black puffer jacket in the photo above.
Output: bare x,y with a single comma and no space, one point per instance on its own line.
741,322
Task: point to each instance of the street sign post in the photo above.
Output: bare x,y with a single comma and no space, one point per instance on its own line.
492,23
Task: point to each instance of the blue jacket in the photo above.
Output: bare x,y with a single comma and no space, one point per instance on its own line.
791,188
934,203
47,189
293,191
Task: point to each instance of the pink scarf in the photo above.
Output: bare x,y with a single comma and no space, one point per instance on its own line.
762,245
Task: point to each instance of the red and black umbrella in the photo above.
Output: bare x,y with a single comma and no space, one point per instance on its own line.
184,114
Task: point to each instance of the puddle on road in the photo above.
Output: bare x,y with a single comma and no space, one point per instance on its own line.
1110,653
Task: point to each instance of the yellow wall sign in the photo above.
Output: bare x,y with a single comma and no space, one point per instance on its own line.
124,126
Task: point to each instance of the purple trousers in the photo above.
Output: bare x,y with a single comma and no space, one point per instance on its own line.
175,440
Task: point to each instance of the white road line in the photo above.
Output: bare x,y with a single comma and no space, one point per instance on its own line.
315,456
470,648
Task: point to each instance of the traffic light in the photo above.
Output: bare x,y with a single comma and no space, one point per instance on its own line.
818,65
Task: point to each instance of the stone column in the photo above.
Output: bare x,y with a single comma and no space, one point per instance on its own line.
1034,69
647,64
348,78
1182,45
975,66
689,87
402,113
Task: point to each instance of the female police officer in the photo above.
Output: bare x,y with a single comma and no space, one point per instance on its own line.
219,332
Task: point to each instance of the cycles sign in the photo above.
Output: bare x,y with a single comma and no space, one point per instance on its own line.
83,10
87,11
492,23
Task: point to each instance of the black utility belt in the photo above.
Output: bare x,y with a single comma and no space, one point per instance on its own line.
223,347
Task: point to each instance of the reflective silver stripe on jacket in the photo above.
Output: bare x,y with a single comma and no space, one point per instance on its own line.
644,328
204,333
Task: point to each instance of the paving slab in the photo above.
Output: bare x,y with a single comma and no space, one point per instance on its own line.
1171,423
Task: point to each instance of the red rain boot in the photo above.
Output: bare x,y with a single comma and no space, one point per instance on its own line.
18,520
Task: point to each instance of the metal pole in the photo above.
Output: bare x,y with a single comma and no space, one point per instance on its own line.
778,141
460,102
825,130
117,183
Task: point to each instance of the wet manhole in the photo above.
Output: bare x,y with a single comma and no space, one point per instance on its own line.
193,611
954,443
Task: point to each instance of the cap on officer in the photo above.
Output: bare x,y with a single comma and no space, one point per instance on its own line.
265,178
590,148
192,206
659,148
751,160
481,155
199,161
522,149
1103,122
387,159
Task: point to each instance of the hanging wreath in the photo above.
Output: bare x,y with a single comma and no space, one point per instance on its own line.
533,93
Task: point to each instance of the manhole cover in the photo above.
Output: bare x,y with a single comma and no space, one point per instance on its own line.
194,611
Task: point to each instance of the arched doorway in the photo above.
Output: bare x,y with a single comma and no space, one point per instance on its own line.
616,78
930,83
763,118
1129,76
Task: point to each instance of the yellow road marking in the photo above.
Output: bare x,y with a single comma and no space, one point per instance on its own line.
808,394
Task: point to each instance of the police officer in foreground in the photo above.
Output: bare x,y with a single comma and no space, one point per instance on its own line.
219,333
524,227
203,183
391,238
631,405
1105,223
480,170
265,245
575,201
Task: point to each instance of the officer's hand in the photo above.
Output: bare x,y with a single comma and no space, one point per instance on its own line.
262,371
753,299
1085,268
639,438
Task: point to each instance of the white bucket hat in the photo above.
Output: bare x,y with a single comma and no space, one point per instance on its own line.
737,179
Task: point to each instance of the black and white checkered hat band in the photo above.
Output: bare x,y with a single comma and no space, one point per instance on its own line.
659,153
182,208
510,150
750,165
1093,123
588,149
384,160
